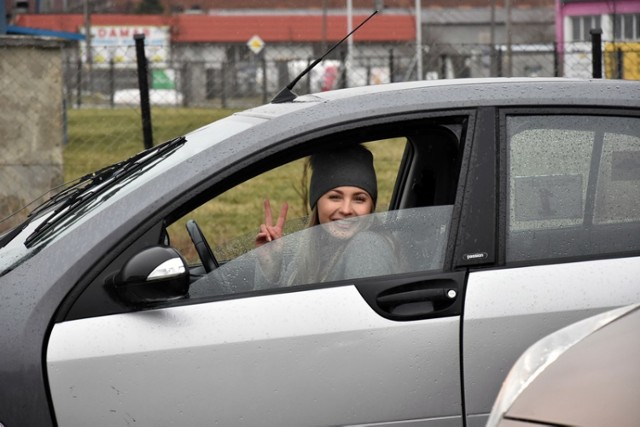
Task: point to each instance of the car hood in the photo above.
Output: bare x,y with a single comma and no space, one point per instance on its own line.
595,382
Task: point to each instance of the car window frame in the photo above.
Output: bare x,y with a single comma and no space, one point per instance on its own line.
260,161
503,202
475,246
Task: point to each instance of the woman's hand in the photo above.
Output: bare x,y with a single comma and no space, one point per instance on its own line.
270,257
268,230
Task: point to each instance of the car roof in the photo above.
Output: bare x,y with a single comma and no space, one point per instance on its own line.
433,94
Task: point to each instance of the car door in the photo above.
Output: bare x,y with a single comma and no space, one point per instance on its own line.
372,349
569,227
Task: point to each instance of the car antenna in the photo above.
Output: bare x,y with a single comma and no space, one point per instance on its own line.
286,94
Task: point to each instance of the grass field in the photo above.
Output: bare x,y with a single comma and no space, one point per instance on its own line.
100,137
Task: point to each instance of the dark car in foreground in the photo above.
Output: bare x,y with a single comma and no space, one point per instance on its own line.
586,374
131,298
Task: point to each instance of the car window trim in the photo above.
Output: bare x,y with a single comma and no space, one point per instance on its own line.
503,207
475,243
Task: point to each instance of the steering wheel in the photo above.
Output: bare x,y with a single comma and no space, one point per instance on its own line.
202,247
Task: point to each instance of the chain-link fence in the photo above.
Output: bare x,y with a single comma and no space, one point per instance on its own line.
99,118
223,83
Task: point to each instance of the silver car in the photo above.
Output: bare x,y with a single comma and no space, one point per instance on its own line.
131,298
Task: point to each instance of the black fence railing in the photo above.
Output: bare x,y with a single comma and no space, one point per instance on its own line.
207,82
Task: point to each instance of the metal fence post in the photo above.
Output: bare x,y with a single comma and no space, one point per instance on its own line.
79,83
143,83
185,74
556,60
343,75
309,61
263,64
619,64
596,52
223,83
3,18
112,82
391,66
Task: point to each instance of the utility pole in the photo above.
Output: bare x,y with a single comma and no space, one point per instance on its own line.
350,40
323,47
509,49
419,72
3,19
492,41
87,35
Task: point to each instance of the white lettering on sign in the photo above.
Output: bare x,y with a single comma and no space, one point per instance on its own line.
115,44
121,32
122,35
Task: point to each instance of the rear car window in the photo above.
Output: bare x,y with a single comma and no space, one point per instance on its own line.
573,186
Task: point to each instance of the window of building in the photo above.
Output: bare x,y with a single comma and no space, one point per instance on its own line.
627,26
582,25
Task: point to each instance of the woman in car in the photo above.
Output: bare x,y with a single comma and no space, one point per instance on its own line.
340,242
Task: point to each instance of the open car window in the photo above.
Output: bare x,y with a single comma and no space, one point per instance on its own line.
416,176
230,221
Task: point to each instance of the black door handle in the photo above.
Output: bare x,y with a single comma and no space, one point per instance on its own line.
415,296
415,302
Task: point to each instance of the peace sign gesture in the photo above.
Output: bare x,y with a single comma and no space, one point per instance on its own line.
268,231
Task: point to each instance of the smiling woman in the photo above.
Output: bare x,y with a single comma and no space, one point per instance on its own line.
342,193
231,219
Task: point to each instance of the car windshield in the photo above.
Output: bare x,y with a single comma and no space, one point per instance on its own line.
91,193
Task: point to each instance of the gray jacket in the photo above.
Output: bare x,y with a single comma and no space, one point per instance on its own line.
366,254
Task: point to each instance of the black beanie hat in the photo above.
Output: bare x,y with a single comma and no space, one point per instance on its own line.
349,166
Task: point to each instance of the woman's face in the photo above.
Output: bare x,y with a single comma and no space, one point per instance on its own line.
343,203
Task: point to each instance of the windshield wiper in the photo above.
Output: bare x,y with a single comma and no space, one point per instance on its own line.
91,185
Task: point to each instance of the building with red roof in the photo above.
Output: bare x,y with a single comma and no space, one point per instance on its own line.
217,38
187,28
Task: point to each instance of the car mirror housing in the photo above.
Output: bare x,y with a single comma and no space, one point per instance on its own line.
154,275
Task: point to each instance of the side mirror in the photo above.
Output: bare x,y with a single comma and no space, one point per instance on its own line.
154,275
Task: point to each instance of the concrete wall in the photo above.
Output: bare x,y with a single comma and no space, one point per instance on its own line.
31,122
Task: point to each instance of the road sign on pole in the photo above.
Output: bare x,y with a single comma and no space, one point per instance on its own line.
256,44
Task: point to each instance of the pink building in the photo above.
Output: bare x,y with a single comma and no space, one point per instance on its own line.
619,21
